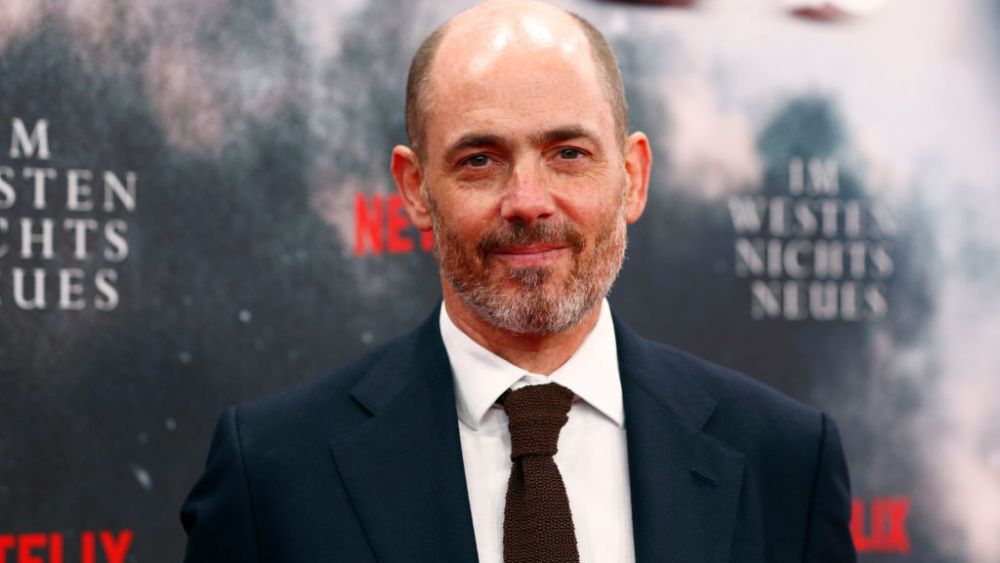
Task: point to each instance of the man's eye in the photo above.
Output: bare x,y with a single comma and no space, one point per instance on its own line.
570,154
477,160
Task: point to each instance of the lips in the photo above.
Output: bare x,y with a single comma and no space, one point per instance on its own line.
534,244
532,255
530,249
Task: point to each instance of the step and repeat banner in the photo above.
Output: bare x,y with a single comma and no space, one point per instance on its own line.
195,210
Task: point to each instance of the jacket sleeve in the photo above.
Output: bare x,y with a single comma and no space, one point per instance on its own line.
828,533
218,513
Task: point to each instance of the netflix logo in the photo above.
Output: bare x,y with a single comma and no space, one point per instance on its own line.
879,525
103,546
382,226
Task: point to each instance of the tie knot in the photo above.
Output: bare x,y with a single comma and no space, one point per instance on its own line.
536,414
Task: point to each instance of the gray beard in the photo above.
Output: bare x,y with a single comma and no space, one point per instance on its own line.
536,307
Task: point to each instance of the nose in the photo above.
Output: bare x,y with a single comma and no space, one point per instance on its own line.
527,197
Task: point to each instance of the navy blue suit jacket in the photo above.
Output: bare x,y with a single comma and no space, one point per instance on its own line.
365,465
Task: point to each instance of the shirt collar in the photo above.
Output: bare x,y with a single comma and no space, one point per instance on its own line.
481,376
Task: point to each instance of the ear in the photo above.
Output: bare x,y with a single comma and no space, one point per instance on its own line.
408,175
638,163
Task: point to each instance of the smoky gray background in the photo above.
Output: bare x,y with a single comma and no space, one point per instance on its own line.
252,125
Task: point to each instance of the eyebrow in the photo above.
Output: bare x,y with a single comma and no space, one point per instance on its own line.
559,134
471,141
566,133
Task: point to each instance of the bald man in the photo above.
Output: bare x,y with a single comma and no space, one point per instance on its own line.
522,422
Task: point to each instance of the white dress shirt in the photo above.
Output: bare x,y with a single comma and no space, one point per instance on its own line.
592,455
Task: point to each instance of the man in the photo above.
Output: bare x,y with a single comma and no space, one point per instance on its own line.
522,422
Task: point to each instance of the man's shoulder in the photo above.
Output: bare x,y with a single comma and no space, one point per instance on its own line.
743,406
336,402
733,388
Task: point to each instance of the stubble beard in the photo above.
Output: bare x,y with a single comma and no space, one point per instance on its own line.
529,300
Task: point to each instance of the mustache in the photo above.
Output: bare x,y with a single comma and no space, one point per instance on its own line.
522,234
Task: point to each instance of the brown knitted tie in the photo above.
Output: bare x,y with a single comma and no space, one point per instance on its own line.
537,525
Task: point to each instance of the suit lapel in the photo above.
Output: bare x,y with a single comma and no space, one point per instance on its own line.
403,467
685,485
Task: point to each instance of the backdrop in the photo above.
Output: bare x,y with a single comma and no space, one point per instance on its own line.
195,210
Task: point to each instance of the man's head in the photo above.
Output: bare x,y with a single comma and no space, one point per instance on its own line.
521,164
604,58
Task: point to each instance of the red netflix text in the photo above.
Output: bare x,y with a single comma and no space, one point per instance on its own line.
91,547
381,225
881,526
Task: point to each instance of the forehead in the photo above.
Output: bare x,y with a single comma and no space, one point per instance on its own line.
513,78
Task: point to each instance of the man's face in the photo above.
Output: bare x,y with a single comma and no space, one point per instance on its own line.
525,183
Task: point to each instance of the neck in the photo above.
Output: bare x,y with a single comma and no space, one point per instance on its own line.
535,353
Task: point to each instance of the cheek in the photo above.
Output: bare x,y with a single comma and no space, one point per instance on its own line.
460,226
591,211
464,216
